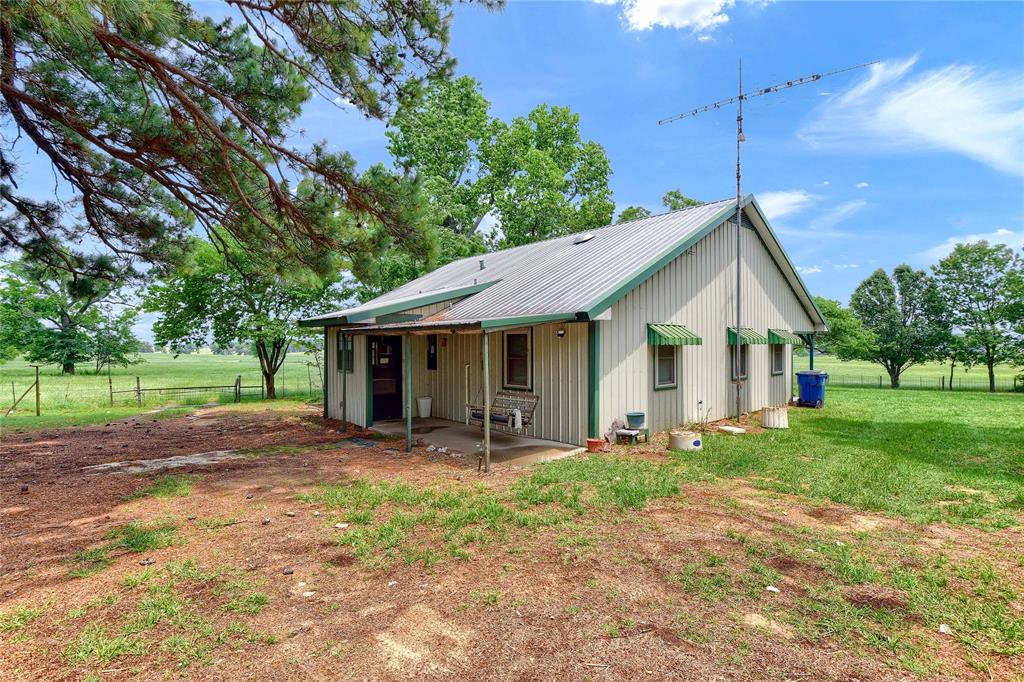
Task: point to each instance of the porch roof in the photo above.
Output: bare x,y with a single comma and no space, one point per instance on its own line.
439,324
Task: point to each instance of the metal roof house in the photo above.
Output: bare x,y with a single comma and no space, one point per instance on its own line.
633,317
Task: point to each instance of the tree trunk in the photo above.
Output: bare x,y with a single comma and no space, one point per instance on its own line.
67,368
894,379
991,376
952,364
268,380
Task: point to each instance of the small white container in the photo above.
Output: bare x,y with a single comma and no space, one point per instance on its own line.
685,440
423,405
775,418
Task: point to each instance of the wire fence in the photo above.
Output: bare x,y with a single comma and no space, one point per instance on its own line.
943,383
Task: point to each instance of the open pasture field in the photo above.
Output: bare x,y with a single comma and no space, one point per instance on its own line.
928,375
877,539
84,398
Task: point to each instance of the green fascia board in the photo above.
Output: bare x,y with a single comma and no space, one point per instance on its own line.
749,199
782,337
663,334
524,321
405,304
747,336
609,299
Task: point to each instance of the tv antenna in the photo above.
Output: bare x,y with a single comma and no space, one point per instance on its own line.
738,100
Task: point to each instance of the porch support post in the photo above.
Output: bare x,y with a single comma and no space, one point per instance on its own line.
487,406
408,392
327,349
810,337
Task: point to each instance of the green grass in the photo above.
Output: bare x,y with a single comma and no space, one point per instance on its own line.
927,375
96,643
168,486
923,455
16,619
134,537
84,398
396,519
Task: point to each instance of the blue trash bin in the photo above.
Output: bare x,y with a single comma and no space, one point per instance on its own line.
812,387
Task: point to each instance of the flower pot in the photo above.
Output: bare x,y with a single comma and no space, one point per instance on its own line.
595,445
635,420
684,440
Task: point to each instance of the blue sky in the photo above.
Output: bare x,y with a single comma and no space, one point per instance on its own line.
867,169
863,170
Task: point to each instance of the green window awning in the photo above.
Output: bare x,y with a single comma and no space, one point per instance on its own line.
747,335
782,337
671,335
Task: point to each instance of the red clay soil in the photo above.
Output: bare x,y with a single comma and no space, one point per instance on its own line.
603,612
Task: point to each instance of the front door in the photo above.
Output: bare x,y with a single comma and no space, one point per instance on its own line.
386,364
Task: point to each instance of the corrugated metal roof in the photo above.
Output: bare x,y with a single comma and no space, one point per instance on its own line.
556,276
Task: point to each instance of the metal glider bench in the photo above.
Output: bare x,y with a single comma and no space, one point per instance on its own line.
503,410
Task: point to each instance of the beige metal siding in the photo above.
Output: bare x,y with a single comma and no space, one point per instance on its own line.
559,378
697,290
355,383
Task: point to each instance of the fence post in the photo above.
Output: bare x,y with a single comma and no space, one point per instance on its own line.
138,391
879,380
37,389
14,396
943,382
238,388
110,386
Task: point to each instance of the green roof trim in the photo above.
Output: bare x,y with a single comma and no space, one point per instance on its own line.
662,334
782,337
524,321
609,299
747,336
384,308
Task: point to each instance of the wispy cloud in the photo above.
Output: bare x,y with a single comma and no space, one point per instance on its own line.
808,270
861,185
786,202
956,108
1014,240
823,225
699,16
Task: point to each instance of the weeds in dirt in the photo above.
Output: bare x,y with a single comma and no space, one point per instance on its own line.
167,487
95,643
216,523
250,604
103,600
486,597
19,617
134,537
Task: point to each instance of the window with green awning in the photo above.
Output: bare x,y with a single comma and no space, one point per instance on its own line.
663,334
782,337
747,336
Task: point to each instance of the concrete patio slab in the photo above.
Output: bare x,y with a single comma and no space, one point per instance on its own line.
506,448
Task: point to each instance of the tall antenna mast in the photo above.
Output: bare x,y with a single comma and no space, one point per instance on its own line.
740,139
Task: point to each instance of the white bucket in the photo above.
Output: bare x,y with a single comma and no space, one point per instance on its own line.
775,418
423,406
684,440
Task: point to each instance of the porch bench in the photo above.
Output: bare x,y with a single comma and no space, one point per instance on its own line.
503,409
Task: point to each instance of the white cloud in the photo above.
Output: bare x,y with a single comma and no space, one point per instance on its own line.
699,16
844,266
808,270
822,227
778,204
956,108
1014,240
861,185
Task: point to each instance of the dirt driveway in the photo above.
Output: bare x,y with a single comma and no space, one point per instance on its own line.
224,569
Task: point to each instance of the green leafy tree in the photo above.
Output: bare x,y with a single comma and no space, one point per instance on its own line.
156,118
112,340
633,213
975,281
675,200
54,312
235,300
846,337
534,175
905,317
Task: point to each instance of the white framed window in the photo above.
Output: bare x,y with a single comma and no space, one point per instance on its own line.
518,360
778,356
744,355
664,367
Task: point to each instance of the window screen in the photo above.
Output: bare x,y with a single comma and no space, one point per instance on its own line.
665,366
432,351
345,361
778,352
517,360
744,353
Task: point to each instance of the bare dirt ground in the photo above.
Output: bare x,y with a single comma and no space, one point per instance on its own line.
594,598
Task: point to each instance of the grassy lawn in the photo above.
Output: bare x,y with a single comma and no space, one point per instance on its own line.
877,538
928,375
922,455
83,398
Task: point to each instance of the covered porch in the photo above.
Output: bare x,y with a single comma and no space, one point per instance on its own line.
506,448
